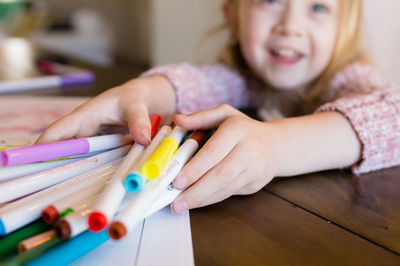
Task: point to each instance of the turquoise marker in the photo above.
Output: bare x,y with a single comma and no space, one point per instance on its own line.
134,181
71,250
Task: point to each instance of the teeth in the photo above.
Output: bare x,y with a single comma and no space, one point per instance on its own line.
285,52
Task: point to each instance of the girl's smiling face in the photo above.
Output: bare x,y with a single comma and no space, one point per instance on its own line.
287,43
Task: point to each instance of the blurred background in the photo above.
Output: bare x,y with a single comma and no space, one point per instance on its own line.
155,32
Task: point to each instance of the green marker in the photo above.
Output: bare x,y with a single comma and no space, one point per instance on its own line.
9,243
66,212
31,254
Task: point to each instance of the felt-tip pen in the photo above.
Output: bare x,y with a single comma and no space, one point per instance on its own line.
152,168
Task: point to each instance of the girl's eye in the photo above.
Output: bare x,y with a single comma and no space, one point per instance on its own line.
271,2
319,8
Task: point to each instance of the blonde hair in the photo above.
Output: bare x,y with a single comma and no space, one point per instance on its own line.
348,48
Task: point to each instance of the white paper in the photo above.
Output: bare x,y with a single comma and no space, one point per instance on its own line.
166,240
161,239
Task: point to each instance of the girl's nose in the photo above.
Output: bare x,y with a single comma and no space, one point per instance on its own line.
289,23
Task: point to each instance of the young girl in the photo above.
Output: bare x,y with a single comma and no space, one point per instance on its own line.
301,55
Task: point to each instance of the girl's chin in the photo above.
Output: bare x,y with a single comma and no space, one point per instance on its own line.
284,85
285,88
283,80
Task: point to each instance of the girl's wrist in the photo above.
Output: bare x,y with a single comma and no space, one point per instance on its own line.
275,144
313,143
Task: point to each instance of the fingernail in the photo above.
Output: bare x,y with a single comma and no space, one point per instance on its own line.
181,115
180,182
145,134
179,206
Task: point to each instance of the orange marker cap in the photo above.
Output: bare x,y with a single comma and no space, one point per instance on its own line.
117,230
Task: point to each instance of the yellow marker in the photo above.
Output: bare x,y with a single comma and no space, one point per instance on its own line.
152,168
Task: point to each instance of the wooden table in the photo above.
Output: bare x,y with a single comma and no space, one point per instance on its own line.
327,218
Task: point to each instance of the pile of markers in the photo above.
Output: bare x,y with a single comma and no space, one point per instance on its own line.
81,187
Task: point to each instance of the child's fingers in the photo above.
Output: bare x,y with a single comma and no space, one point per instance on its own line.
64,128
252,187
137,118
214,150
220,195
219,183
82,122
206,119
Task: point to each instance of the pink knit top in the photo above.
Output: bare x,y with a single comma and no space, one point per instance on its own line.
359,92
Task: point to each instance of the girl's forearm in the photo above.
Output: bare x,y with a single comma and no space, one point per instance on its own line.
316,142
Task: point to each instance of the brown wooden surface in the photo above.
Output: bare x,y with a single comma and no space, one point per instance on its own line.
368,205
262,229
328,218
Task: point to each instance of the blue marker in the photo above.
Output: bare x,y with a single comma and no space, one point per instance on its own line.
71,250
2,228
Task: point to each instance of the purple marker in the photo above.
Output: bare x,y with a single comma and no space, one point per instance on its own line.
60,149
71,79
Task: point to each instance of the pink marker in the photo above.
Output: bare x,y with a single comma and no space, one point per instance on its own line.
60,149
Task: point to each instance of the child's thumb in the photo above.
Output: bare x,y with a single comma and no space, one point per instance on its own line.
206,119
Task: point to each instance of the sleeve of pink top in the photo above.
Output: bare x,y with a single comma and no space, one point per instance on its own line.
373,108
199,88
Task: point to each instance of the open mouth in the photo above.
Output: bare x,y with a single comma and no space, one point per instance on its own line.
285,56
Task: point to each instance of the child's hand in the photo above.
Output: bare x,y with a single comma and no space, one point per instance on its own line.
240,158
128,104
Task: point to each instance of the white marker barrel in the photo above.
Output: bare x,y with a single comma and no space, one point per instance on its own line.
26,210
22,186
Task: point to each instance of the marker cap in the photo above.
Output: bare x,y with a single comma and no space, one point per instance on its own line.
117,230
43,152
77,78
63,230
97,222
198,136
134,182
152,168
50,214
46,66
